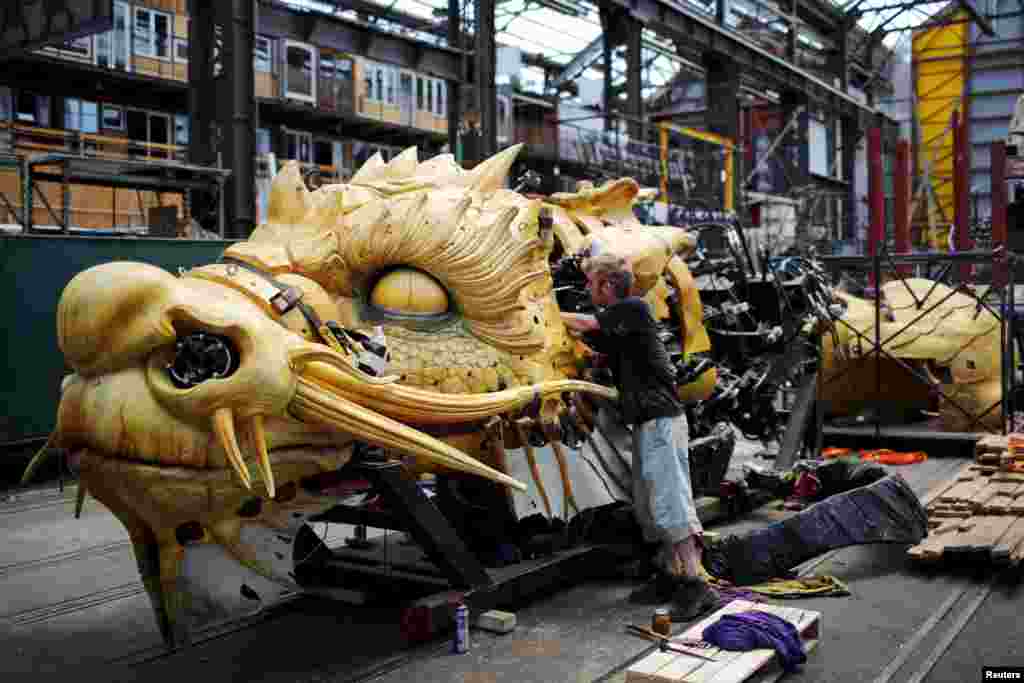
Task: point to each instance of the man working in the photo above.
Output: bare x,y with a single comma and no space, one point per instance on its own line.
662,493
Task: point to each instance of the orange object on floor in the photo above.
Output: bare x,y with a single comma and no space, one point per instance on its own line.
886,456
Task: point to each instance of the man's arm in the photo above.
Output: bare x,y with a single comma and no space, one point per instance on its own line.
580,322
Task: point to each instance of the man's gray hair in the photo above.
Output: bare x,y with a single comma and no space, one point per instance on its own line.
613,269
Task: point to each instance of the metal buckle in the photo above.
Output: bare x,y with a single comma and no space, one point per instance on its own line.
285,300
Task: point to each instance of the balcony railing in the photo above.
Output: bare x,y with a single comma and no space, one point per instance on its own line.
27,140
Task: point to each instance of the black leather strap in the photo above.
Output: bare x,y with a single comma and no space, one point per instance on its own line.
287,297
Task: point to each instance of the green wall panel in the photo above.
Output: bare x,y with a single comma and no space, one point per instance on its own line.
33,273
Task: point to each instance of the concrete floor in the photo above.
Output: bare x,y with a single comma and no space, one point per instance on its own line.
71,605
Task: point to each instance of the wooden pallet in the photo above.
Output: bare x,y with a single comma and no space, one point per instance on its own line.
761,666
979,512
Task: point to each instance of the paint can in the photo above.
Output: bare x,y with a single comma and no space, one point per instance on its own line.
662,622
460,643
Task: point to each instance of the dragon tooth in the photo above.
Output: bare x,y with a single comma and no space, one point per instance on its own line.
224,427
259,438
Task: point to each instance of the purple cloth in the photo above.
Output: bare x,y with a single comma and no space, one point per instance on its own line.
754,630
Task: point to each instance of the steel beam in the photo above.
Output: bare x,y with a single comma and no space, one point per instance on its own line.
961,191
238,120
901,190
485,58
201,93
583,60
702,34
999,207
454,86
634,75
876,195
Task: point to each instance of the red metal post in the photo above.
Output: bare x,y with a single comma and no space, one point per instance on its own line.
961,194
901,188
876,194
999,208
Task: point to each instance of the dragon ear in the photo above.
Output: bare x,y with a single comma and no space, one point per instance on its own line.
289,198
491,174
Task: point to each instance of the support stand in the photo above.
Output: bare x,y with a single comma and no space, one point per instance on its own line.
405,507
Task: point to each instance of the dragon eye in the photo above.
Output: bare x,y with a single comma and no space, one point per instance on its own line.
407,292
200,356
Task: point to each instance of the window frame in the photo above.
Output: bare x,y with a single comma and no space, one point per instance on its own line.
314,71
270,54
36,109
122,116
178,42
79,115
152,42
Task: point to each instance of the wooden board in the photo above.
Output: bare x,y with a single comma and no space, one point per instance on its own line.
979,513
991,443
967,488
937,491
729,667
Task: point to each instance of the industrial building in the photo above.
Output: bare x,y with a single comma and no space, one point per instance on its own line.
288,401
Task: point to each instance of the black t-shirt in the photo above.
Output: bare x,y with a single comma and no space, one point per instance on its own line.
643,373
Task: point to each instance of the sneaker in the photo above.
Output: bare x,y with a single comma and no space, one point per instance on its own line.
693,598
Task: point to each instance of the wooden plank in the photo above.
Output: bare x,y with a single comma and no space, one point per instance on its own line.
986,530
991,443
937,491
934,545
729,667
646,670
1014,536
1003,495
966,489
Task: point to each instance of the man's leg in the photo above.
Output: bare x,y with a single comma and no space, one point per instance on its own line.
642,493
664,471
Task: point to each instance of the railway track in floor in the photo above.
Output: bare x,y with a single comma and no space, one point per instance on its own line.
7,570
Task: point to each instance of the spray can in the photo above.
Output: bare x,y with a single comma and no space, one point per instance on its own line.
460,643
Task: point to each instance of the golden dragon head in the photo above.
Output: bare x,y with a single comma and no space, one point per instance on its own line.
203,404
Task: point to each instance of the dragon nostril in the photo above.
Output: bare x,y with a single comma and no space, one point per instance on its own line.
201,356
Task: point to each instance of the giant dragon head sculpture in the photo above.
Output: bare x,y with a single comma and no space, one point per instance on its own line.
938,345
202,405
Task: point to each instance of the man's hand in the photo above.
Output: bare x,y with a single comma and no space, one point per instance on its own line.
580,322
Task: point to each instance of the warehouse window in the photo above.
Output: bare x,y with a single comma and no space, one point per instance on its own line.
299,146
419,93
180,50
300,74
112,47
6,104
380,84
263,54
152,33
113,117
181,129
81,115
368,78
34,109
439,98
263,141
391,86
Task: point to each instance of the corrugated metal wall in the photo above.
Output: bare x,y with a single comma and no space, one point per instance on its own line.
940,71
